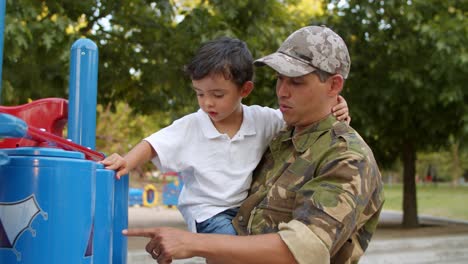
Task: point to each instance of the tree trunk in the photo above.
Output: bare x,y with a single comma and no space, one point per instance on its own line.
410,208
457,170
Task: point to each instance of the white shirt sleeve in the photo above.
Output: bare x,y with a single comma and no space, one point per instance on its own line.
169,142
272,120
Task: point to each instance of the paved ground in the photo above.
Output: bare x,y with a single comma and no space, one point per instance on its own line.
440,240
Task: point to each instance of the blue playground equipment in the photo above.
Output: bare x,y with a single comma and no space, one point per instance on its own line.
57,204
135,196
148,196
171,189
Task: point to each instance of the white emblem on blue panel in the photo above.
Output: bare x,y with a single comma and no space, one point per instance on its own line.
15,219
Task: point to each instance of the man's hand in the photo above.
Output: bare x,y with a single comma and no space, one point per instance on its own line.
341,111
166,243
117,163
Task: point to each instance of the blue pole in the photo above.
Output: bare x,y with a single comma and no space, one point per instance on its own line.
83,93
2,28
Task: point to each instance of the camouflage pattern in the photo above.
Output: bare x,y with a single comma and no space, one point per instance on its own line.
325,177
308,49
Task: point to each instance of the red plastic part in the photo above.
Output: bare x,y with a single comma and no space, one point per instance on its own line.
51,139
50,114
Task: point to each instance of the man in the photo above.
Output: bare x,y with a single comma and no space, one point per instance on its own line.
317,193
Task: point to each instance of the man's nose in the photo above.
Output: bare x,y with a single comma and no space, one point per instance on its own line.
282,89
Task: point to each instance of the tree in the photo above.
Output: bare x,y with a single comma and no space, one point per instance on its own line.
143,45
407,86
36,50
146,47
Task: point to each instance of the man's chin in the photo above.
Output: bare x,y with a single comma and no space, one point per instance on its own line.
289,121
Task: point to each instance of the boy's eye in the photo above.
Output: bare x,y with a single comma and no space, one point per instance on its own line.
199,94
218,95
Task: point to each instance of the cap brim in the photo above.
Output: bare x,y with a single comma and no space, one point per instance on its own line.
285,65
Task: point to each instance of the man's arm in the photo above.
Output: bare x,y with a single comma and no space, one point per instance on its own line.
169,243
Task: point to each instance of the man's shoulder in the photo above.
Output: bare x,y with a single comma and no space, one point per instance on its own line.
339,141
343,134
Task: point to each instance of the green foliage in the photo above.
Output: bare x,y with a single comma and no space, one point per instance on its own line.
120,130
409,71
143,46
36,52
151,41
408,78
409,60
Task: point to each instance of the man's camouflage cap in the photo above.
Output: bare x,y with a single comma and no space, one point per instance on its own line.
308,49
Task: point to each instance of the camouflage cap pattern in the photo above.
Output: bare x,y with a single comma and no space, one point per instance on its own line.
308,49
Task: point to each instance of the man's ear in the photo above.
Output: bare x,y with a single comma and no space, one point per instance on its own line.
336,86
247,88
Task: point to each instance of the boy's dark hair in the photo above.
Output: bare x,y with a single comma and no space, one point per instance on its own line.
227,56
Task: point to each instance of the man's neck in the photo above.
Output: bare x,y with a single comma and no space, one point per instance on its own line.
301,128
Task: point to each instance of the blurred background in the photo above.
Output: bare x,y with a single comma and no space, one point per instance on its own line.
407,91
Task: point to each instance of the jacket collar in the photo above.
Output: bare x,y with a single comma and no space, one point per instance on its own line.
303,140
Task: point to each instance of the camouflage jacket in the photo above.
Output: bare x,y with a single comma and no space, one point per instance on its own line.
325,180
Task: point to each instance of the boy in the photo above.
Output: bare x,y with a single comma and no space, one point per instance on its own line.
215,149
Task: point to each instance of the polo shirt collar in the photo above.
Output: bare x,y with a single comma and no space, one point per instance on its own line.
209,130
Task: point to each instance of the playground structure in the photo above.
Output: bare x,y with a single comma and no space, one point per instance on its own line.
171,189
149,196
57,204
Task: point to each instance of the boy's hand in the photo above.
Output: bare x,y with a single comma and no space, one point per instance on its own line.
117,163
341,111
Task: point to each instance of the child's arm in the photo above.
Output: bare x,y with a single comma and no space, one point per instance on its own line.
341,111
140,154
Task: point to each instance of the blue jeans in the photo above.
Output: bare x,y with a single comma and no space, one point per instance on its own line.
219,224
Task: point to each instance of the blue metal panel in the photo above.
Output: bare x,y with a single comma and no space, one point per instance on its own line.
104,216
119,253
83,93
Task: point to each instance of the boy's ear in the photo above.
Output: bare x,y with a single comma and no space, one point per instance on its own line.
246,88
336,86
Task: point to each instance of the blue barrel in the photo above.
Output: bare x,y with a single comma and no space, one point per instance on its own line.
47,199
104,216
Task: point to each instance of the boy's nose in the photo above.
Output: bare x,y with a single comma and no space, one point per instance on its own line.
209,103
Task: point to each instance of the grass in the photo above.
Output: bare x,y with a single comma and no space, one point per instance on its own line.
440,200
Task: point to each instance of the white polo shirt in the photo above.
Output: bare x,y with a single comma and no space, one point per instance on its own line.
216,170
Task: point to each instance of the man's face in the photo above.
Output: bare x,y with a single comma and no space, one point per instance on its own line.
303,100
